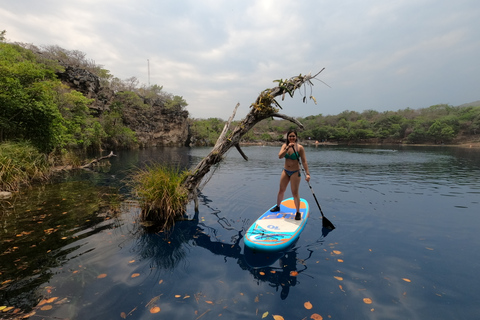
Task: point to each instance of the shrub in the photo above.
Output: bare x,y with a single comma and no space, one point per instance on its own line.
20,163
162,196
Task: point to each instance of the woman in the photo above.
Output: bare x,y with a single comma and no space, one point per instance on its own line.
292,152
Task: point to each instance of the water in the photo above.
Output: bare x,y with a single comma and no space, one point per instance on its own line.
406,243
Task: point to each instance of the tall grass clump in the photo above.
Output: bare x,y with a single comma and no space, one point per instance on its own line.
20,164
162,196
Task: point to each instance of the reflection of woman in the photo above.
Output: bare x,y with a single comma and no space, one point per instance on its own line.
292,152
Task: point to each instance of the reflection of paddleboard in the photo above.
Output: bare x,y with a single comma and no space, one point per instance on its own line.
275,231
261,259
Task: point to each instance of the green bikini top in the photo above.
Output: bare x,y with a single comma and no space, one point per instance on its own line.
293,156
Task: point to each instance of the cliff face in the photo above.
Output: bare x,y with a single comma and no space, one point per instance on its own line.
154,125
157,126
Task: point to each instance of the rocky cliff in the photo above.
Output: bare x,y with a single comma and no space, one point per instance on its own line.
158,126
153,123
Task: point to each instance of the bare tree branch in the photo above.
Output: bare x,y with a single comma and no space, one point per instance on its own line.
265,106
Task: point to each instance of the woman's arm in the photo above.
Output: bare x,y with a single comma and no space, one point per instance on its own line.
283,151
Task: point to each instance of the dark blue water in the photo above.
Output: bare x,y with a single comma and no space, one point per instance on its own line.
406,243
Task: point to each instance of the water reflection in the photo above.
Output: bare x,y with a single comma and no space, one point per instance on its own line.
41,227
167,249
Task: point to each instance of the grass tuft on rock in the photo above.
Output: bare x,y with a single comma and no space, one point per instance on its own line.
162,197
21,163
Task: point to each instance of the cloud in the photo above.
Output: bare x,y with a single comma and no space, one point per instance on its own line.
378,55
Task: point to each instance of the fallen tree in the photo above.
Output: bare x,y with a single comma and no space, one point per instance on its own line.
265,106
164,199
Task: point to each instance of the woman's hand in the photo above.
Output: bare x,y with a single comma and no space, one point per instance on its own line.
307,177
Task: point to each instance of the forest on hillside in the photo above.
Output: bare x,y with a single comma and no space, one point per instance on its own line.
436,124
37,107
40,108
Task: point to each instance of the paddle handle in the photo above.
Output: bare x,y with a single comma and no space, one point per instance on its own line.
311,189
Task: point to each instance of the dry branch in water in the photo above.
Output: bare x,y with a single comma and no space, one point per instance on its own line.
265,106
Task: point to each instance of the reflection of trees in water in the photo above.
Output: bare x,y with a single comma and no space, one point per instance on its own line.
166,250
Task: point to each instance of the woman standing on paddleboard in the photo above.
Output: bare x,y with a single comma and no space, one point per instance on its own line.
292,152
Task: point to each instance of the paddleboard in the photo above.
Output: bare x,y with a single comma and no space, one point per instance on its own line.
275,231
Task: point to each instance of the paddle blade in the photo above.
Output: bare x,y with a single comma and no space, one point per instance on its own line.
327,224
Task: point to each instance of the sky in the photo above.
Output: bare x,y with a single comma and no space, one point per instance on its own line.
378,55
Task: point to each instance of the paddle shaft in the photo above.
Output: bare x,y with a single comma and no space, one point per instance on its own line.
311,189
326,222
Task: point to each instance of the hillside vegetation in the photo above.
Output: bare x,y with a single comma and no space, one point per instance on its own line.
437,124
58,100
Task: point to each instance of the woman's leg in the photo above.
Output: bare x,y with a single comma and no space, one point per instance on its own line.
284,179
295,186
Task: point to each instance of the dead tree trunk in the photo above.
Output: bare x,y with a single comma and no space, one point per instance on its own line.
264,107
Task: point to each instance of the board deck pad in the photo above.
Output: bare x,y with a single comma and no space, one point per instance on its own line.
274,231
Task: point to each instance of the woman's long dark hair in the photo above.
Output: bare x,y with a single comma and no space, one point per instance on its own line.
288,133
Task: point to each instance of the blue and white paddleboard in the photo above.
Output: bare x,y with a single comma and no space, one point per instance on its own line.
275,231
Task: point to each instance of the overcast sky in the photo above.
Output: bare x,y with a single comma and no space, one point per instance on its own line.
377,54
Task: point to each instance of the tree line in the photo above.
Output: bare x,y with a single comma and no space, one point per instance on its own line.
436,124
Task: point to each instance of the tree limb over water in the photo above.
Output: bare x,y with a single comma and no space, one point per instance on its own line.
265,106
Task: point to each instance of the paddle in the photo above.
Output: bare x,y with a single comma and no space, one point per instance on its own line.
325,222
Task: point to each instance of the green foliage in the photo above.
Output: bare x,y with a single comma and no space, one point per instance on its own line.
117,134
206,131
27,93
79,128
441,131
175,103
161,194
126,99
439,123
20,163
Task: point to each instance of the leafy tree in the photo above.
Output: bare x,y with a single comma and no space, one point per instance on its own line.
2,35
441,131
176,103
27,92
80,127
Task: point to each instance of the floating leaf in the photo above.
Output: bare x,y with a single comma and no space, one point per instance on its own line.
177,296
160,282
101,276
2,307
367,300
155,309
186,297
265,314
46,307
135,275
428,248
308,305
340,260
337,252
262,273
338,278
51,300
257,299
64,300
293,273
131,261
406,280
277,317
209,302
316,316
123,315
28,315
